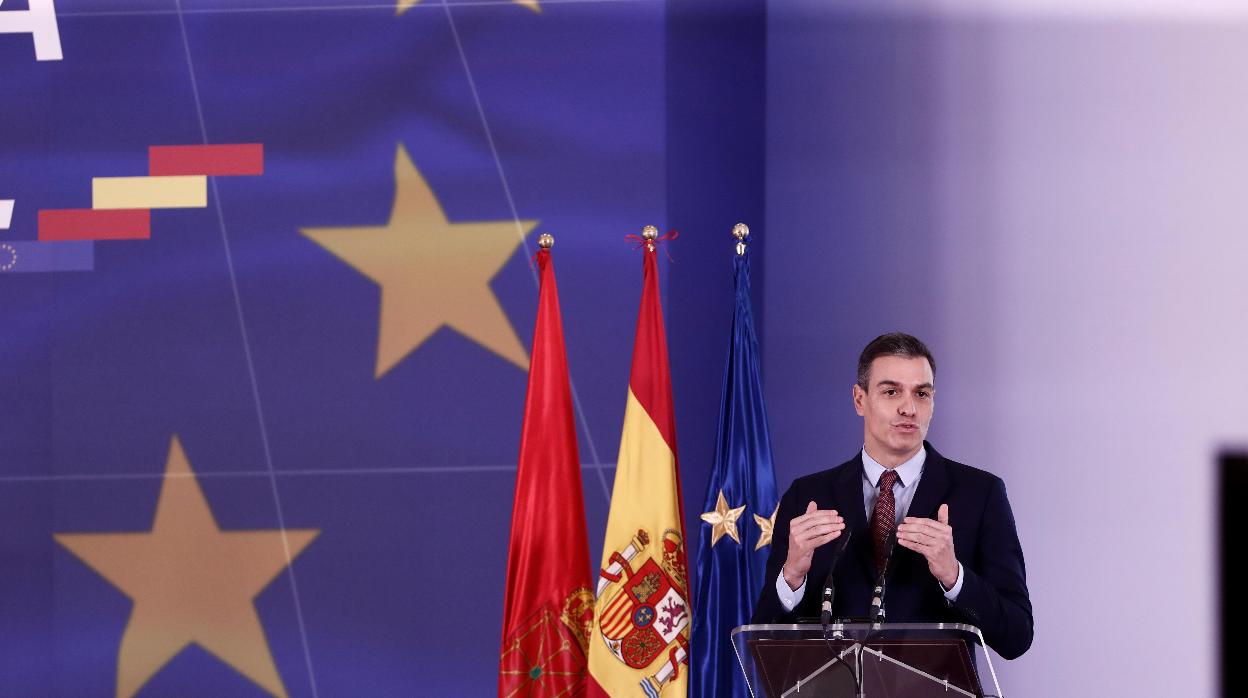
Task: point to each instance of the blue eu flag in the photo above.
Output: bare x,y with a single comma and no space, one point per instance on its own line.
740,509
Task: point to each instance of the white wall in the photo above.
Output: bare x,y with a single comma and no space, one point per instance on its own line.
1082,178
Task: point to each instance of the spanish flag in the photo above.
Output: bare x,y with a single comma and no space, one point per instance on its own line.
548,603
639,645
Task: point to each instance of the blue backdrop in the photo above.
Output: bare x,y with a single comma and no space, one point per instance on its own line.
235,330
1048,193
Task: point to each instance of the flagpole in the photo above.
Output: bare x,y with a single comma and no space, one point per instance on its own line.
739,507
548,599
640,640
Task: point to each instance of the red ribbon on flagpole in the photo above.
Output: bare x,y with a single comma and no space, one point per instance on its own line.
639,242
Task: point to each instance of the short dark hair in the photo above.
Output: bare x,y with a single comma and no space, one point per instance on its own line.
892,344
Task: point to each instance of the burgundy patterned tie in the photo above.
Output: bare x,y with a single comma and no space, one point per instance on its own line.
884,518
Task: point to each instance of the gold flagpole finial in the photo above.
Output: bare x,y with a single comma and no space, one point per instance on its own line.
650,234
741,232
545,241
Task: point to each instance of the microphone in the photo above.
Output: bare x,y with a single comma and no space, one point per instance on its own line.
829,587
877,594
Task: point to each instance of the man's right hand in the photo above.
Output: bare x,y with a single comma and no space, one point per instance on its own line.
807,532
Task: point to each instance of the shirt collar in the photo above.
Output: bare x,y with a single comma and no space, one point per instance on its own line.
907,472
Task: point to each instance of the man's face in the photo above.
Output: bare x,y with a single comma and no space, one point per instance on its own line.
896,408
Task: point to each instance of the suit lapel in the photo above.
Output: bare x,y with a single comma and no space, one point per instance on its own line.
933,486
933,490
850,483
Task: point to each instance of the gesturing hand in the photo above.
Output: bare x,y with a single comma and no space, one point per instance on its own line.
807,532
934,541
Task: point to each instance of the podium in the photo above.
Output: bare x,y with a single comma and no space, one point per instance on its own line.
860,660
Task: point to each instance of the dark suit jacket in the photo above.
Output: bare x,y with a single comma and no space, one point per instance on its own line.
994,590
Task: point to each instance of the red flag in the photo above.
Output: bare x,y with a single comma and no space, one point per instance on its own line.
549,606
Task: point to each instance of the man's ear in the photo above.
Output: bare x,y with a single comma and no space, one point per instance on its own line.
859,396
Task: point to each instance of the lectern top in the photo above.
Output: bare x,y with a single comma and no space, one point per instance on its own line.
890,660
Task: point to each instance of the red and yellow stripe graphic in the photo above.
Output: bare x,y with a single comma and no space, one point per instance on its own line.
121,207
215,160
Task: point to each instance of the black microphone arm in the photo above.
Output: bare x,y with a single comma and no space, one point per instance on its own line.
829,586
877,594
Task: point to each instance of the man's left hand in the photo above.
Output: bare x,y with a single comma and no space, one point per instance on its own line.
934,541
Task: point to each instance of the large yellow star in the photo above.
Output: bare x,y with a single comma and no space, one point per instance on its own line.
190,582
405,5
723,520
766,525
432,272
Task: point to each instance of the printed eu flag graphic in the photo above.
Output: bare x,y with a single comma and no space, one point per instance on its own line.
266,305
740,508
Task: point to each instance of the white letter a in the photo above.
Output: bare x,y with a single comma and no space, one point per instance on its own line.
40,22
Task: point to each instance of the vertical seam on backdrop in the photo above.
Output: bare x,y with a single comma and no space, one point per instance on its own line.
502,176
251,370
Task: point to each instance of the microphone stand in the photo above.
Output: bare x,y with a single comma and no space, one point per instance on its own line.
877,603
829,592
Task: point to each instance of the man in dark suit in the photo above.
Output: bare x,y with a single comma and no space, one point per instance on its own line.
957,557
